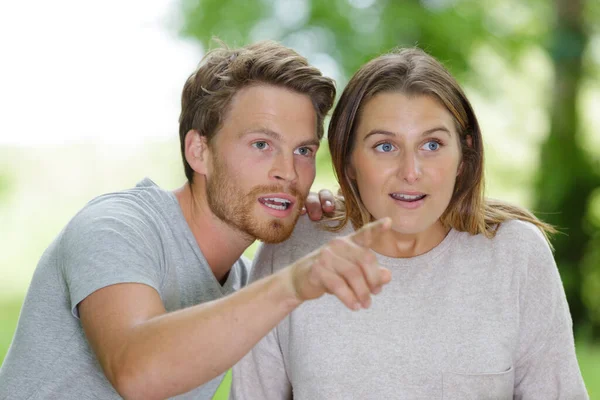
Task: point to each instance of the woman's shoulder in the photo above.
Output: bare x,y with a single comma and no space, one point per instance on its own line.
308,231
521,233
307,236
513,237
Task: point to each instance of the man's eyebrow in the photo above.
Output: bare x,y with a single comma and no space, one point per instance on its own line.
264,131
428,132
276,136
310,142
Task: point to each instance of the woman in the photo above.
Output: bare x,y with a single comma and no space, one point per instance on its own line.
475,308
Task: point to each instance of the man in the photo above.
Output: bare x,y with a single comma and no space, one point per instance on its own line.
134,298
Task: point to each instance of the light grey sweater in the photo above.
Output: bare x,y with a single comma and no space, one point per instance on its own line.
474,318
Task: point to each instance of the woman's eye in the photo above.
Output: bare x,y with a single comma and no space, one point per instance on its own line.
384,147
303,151
262,145
431,145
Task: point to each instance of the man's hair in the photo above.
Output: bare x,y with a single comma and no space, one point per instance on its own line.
223,72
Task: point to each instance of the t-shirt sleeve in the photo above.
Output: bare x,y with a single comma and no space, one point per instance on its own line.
261,374
107,243
546,363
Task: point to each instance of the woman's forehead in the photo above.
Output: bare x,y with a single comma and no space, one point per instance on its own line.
404,114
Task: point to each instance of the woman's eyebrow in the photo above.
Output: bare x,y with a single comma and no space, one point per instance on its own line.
425,133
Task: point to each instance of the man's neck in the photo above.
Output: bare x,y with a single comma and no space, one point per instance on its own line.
220,243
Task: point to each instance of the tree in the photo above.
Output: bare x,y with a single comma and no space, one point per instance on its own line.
567,177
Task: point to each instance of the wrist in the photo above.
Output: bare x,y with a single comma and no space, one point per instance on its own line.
285,288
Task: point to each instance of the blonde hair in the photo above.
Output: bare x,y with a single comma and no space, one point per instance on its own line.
414,72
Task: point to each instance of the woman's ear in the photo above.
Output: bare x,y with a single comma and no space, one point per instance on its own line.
350,171
469,140
196,151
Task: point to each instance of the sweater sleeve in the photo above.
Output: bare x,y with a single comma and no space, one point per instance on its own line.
546,363
261,374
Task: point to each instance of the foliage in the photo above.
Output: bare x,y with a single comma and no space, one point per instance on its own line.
354,31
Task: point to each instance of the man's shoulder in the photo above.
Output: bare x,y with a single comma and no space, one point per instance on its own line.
139,202
138,211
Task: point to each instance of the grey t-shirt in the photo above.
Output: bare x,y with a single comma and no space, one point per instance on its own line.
474,318
137,235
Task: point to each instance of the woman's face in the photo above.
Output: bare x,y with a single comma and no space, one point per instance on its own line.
405,160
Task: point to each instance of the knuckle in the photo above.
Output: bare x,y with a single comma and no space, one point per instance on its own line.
337,243
354,275
369,258
336,286
363,293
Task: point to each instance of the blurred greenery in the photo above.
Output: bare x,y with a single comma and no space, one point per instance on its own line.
564,193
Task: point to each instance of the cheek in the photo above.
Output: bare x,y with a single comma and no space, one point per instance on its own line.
443,174
306,170
371,180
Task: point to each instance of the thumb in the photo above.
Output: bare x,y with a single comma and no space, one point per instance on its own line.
386,275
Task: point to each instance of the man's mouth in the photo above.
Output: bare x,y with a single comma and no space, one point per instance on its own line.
408,197
276,203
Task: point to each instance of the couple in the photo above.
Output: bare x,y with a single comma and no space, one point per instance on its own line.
140,295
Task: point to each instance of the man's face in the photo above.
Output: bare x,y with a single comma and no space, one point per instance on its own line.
262,161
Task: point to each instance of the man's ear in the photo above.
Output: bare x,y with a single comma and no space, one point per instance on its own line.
196,151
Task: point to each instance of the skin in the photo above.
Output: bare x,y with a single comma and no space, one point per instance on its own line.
268,142
260,149
406,145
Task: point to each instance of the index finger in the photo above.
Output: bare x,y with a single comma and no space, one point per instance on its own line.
368,234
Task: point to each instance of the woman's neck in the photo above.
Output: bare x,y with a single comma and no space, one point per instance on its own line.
401,245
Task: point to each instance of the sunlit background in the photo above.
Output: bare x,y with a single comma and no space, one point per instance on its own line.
89,102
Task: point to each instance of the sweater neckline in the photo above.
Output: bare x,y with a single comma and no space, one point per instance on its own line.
421,258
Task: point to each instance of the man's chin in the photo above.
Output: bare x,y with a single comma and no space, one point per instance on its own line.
276,230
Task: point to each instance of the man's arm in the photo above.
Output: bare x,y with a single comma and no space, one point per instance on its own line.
148,353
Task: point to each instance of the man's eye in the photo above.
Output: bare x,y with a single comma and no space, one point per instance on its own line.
303,151
262,145
384,147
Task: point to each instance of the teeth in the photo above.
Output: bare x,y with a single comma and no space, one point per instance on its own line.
275,207
278,200
406,196
276,203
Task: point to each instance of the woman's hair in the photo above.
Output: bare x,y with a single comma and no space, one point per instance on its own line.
413,72
223,72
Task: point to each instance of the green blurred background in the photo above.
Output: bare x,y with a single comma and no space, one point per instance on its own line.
530,68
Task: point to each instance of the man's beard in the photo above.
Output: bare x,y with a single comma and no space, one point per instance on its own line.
230,205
